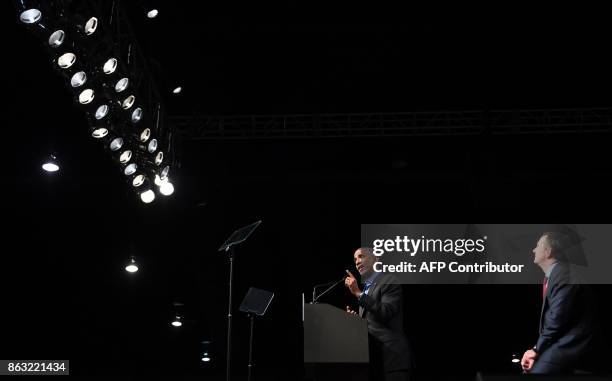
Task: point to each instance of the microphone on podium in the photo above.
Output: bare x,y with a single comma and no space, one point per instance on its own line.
331,285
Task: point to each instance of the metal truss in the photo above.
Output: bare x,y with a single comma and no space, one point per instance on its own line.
453,123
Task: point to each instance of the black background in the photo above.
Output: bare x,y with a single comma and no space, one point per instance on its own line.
67,236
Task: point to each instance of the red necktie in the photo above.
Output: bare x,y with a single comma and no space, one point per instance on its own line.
544,287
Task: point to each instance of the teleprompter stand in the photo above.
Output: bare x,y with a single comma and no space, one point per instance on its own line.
235,239
255,302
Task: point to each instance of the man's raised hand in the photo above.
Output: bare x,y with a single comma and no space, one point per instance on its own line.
351,283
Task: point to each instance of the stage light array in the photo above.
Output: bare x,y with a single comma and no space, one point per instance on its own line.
104,77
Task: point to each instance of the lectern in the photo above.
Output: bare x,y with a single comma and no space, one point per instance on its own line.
335,344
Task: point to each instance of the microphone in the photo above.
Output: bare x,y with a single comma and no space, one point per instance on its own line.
331,285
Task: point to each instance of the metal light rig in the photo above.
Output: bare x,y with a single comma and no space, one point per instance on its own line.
91,44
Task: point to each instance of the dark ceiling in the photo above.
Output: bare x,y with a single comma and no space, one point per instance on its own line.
310,59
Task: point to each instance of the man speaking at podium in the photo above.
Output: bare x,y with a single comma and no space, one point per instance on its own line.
381,303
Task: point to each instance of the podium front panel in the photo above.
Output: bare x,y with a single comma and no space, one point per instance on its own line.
331,335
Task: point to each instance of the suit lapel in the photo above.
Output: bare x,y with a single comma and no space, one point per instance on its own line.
544,303
371,290
549,286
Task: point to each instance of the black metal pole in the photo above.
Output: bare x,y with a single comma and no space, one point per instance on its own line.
229,313
252,316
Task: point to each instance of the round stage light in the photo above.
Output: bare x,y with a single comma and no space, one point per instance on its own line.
130,169
99,132
147,196
125,156
78,79
166,188
152,146
158,181
86,96
145,135
128,102
50,167
163,175
177,321
159,158
90,26
101,112
66,60
131,267
30,16
138,180
116,144
137,115
122,84
110,66
57,38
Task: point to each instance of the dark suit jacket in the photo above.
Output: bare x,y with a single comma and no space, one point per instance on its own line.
567,321
383,308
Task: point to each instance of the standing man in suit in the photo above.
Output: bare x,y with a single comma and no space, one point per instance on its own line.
567,316
381,303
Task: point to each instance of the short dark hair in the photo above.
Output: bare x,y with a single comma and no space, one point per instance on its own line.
367,250
558,243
